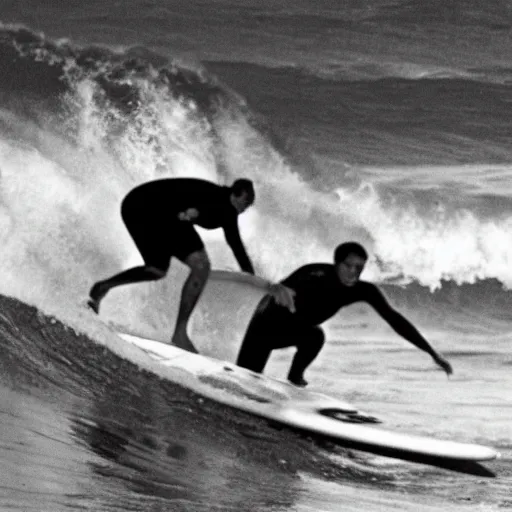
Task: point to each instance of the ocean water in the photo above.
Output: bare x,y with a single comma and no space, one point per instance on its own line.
385,122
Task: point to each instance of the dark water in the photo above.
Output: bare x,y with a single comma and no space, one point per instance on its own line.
83,428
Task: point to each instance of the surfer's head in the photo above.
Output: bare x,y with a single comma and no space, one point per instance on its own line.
242,194
349,261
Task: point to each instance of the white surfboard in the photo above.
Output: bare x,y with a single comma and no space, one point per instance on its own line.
217,328
284,403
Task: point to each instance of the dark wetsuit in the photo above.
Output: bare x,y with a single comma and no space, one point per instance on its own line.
150,213
319,295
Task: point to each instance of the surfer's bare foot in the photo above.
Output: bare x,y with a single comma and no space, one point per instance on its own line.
183,341
95,295
94,305
298,381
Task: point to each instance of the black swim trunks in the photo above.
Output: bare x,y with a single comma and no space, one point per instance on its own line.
158,243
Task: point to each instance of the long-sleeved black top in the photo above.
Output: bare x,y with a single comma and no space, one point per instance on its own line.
319,295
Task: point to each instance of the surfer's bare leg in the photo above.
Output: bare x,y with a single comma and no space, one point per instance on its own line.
132,275
199,264
307,350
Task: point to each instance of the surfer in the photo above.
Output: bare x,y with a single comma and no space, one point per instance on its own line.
321,290
160,216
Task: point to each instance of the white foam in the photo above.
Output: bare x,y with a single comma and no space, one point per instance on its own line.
61,189
431,246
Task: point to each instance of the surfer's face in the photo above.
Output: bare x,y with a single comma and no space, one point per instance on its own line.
240,202
350,269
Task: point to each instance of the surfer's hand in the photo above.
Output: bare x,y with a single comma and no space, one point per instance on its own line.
444,364
189,214
283,296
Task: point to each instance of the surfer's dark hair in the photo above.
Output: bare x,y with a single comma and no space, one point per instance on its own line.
244,185
343,250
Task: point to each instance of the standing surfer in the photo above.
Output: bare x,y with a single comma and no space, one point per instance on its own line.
160,216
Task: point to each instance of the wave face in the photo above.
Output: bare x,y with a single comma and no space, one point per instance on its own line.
83,427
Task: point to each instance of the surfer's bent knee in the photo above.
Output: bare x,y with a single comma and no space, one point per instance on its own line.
315,337
319,334
199,262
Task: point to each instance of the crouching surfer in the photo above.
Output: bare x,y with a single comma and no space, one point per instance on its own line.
321,290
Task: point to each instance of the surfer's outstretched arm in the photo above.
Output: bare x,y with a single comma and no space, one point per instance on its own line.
403,327
406,329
